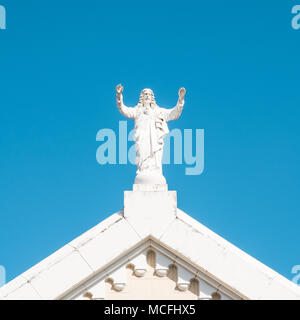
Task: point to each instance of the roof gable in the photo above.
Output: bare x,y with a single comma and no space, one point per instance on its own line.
150,219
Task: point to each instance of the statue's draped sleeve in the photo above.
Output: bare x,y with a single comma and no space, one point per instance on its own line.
128,112
174,113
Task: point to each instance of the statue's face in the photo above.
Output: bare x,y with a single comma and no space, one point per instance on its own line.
147,96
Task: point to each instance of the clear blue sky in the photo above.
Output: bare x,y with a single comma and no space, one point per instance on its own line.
59,64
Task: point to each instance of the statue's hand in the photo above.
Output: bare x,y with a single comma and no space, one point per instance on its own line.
119,89
181,93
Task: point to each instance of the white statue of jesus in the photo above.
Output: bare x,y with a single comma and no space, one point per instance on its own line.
150,129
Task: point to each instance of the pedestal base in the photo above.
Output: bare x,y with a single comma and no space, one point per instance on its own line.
150,212
150,187
150,177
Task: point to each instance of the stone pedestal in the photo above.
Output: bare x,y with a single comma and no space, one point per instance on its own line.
150,208
150,178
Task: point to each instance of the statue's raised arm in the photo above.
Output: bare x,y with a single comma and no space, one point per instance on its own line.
127,112
174,113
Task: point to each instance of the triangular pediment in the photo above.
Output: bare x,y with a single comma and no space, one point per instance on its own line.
105,261
150,271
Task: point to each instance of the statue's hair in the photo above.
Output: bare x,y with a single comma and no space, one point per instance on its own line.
141,100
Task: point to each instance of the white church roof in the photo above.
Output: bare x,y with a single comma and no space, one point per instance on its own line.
150,220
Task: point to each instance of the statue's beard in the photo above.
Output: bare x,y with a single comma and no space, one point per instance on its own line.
147,107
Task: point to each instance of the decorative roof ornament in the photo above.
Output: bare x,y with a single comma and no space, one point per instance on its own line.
150,130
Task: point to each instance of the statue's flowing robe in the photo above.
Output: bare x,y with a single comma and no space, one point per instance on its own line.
150,129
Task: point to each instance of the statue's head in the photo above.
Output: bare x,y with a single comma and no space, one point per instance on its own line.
147,96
